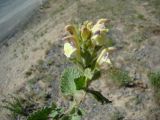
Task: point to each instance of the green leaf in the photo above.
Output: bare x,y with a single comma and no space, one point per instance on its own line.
98,96
54,114
75,117
65,118
68,86
80,83
41,114
75,114
88,73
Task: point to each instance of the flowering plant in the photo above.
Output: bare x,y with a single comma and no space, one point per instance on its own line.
86,47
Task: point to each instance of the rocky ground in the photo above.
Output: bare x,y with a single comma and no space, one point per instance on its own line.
32,60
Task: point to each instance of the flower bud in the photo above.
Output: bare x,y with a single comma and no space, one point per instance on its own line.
85,33
70,29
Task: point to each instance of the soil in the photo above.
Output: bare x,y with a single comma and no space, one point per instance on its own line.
32,60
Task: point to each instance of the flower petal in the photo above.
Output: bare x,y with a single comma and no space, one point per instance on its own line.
69,49
104,57
99,38
100,25
99,32
105,60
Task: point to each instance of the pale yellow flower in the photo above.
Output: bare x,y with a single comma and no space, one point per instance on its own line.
99,38
69,49
99,31
72,30
100,25
70,46
104,57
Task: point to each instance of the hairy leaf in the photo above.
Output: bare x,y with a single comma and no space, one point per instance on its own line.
80,83
98,96
68,86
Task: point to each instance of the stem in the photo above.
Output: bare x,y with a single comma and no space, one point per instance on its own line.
85,93
70,108
75,104
82,99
